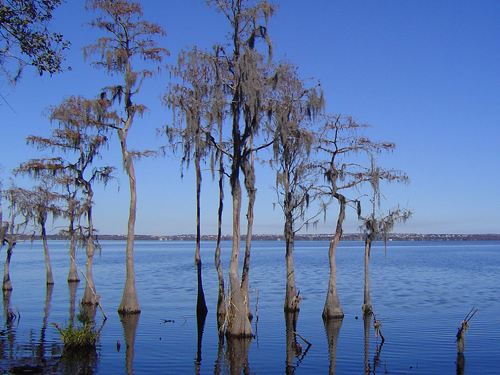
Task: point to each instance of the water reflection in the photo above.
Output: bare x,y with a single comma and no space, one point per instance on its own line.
34,357
377,363
8,335
293,348
72,287
460,364
237,355
332,328
46,312
82,361
220,355
200,326
129,324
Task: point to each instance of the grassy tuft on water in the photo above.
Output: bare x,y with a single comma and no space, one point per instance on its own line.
84,336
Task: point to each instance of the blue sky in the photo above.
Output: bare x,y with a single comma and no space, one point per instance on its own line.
424,74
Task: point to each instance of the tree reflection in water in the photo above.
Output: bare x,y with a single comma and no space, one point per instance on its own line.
237,354
27,358
294,349
200,326
129,324
460,364
82,361
367,319
332,328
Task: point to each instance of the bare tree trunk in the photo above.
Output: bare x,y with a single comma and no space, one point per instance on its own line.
7,285
201,306
332,309
291,298
130,302
72,302
249,172
238,324
89,295
73,272
50,277
221,299
367,304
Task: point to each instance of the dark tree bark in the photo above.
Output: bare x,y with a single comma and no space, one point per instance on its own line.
221,294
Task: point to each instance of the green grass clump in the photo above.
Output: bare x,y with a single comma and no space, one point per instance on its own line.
85,336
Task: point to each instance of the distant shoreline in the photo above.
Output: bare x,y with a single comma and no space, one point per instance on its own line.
299,237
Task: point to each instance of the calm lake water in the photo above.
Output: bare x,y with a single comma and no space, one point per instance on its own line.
420,292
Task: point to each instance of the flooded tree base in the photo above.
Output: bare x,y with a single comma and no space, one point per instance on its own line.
367,309
239,336
332,316
128,312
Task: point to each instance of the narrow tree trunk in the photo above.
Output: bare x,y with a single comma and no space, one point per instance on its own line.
49,276
291,298
238,324
130,302
332,309
72,302
221,299
89,295
367,302
201,306
249,173
10,317
7,285
73,272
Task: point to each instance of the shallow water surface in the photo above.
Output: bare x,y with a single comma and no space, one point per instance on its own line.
420,292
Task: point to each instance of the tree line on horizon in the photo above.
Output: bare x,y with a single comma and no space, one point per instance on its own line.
232,106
